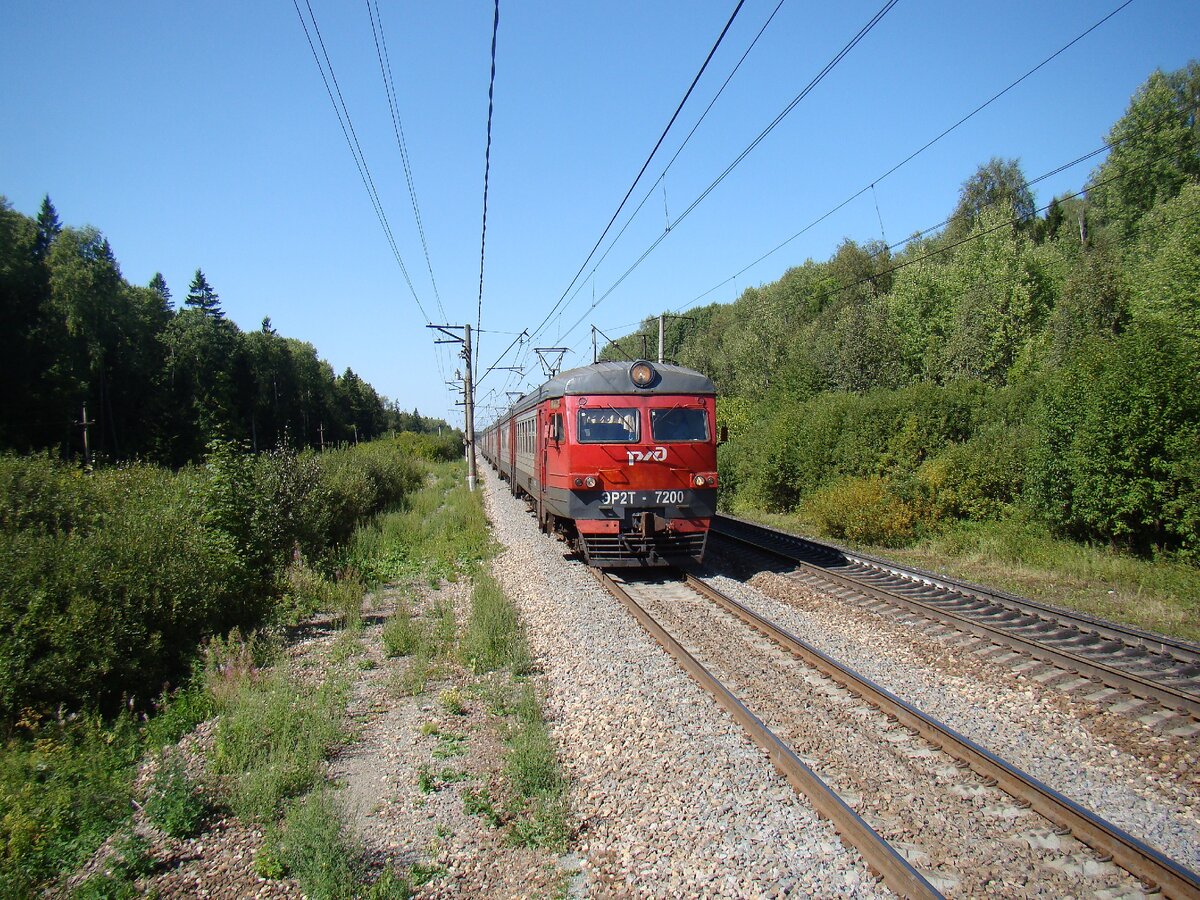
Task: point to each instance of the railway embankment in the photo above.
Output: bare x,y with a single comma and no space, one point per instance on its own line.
671,797
551,747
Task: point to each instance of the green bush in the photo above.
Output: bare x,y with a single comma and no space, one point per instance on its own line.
974,480
101,613
362,481
1118,438
64,788
41,494
864,510
110,580
804,447
446,447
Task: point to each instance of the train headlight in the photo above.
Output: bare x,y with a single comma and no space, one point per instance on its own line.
642,374
578,482
699,481
590,481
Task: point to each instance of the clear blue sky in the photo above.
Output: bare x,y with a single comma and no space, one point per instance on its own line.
200,134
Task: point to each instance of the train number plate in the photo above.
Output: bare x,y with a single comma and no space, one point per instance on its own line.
646,498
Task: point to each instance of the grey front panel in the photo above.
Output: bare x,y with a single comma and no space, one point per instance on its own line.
691,503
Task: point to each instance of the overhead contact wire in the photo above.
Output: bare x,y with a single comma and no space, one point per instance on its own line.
645,165
678,151
352,142
389,85
917,152
487,167
817,79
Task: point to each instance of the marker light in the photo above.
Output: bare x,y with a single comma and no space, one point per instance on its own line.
698,481
642,374
590,481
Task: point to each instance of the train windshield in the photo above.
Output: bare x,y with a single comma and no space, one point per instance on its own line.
679,424
608,425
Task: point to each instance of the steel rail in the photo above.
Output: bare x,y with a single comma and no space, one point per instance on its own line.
1185,652
1128,682
1142,861
879,855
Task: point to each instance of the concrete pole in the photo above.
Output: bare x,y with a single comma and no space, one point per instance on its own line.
84,422
661,319
469,398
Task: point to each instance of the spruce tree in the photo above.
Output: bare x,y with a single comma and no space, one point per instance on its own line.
48,228
201,296
158,284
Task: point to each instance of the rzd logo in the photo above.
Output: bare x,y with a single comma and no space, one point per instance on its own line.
658,454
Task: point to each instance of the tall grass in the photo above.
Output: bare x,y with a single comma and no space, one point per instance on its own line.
438,534
494,638
274,735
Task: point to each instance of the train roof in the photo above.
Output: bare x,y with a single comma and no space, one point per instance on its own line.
614,378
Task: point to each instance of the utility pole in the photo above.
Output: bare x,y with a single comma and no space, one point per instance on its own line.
469,398
593,345
321,432
662,317
468,402
83,423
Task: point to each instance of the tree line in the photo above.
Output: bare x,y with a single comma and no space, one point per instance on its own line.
1016,358
159,381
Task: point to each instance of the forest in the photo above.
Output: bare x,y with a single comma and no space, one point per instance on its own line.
159,381
1013,361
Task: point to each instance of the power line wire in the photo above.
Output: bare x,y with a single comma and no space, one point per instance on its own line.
389,85
979,235
487,168
537,331
917,152
360,160
817,79
671,162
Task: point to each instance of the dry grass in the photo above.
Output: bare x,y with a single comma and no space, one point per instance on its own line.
1022,558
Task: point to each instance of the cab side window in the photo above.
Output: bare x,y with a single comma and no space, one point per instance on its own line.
557,432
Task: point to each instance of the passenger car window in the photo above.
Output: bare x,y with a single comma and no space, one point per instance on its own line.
679,424
608,425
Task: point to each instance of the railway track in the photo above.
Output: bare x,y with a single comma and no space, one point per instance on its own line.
1128,669
789,679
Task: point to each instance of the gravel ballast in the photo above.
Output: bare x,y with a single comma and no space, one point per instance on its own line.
673,799
1144,783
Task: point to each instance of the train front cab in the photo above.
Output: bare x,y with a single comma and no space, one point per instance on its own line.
633,476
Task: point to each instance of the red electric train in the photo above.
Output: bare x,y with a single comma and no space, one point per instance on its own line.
618,458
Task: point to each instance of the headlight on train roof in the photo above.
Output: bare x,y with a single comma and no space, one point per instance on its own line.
642,374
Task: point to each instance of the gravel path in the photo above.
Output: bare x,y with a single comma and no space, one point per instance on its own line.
674,799
1146,783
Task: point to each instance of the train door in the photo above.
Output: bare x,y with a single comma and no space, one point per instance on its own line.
510,426
542,456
